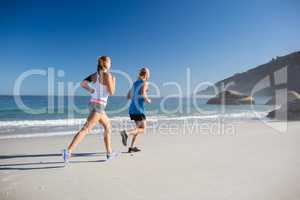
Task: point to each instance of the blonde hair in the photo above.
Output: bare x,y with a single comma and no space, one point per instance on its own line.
100,63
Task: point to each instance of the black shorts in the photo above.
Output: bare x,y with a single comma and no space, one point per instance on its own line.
137,117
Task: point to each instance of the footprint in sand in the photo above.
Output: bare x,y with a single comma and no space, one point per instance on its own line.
41,187
10,181
5,193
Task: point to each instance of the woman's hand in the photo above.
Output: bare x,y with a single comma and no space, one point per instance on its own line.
91,90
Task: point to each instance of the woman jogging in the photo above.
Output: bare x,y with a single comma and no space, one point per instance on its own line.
102,85
138,96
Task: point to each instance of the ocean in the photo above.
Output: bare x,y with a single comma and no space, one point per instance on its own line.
38,116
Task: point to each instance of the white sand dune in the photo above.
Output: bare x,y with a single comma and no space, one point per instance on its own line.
255,163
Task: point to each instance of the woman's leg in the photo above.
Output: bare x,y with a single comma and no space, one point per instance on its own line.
140,128
104,121
88,126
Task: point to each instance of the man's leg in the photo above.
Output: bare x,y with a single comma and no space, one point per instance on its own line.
140,128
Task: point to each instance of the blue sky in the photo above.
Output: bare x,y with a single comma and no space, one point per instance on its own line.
214,38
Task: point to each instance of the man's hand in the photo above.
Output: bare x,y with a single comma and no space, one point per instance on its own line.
148,100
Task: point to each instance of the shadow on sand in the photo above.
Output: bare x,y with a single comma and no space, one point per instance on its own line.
42,164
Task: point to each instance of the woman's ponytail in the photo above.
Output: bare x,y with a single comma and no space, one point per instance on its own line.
100,65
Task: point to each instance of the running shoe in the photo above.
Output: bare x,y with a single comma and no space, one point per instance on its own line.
111,156
133,149
66,156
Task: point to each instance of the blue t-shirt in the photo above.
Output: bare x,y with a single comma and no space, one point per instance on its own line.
137,100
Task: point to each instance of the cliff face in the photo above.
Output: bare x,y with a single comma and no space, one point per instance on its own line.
229,97
246,81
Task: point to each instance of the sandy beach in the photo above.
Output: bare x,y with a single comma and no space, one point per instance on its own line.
257,162
211,90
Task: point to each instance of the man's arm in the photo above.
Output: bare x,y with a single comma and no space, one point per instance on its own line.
129,94
144,92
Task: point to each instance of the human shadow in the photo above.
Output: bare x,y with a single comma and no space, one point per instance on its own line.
48,155
44,164
29,168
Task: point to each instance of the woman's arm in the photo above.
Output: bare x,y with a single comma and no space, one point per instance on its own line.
144,92
111,83
85,83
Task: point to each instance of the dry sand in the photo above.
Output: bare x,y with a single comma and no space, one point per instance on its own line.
255,163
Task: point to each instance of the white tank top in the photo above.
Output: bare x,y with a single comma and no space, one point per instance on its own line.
101,93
